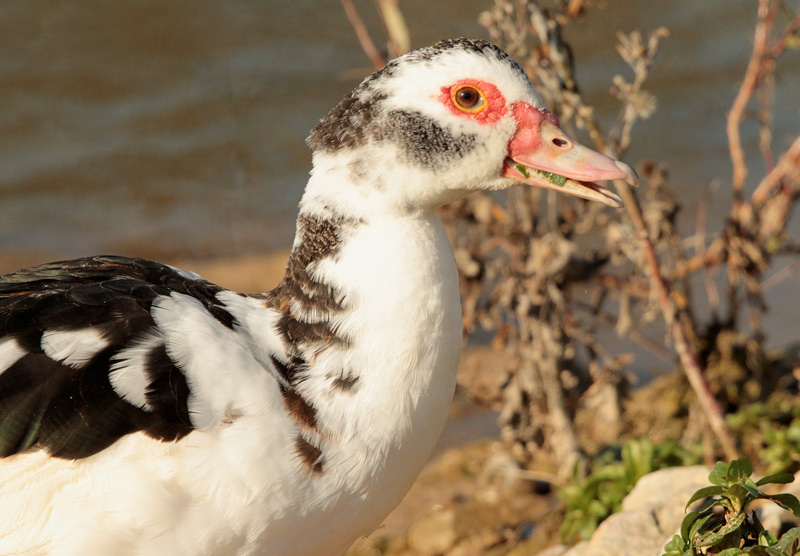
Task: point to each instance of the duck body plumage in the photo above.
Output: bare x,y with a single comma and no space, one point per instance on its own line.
146,411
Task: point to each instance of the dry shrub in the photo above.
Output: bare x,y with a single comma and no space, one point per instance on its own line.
542,273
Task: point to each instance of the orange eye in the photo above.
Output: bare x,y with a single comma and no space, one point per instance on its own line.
469,99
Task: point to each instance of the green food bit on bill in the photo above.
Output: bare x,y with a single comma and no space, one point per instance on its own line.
555,179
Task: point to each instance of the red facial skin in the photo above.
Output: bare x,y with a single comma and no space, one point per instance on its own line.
540,144
495,102
528,118
529,123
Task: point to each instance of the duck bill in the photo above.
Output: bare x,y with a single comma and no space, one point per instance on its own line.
541,154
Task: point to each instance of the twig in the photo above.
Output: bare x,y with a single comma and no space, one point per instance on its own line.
691,366
559,58
778,277
787,167
647,343
396,28
700,244
636,102
363,35
714,255
765,18
574,8
627,286
781,43
766,98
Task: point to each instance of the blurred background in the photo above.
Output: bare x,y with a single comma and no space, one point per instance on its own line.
176,129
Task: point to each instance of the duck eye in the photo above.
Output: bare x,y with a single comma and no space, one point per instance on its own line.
469,99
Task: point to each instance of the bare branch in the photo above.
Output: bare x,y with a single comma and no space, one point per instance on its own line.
681,337
395,25
363,35
746,90
786,174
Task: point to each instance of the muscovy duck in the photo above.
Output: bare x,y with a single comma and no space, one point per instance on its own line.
146,411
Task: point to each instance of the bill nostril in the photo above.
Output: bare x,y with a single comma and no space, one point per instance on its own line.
560,142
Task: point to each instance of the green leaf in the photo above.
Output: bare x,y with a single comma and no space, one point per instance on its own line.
772,551
686,524
693,521
704,522
752,492
789,541
709,503
731,552
717,476
675,547
739,496
786,501
713,537
704,492
766,538
727,504
762,551
777,478
675,543
739,470
637,455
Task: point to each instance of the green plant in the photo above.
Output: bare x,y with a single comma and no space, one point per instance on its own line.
723,525
772,432
615,472
782,451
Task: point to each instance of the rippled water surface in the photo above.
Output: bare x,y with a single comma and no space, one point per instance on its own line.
163,127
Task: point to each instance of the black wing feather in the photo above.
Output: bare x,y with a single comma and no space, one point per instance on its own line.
73,411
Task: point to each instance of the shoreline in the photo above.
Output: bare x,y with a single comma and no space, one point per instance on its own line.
242,273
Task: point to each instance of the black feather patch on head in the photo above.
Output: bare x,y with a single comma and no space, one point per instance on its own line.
359,117
347,125
422,141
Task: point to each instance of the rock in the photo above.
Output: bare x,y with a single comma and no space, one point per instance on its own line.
433,534
650,515
665,493
556,550
667,487
627,534
580,549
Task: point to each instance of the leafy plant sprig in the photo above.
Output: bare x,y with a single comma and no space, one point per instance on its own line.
722,525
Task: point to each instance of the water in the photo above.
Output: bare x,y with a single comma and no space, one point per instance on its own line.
176,128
